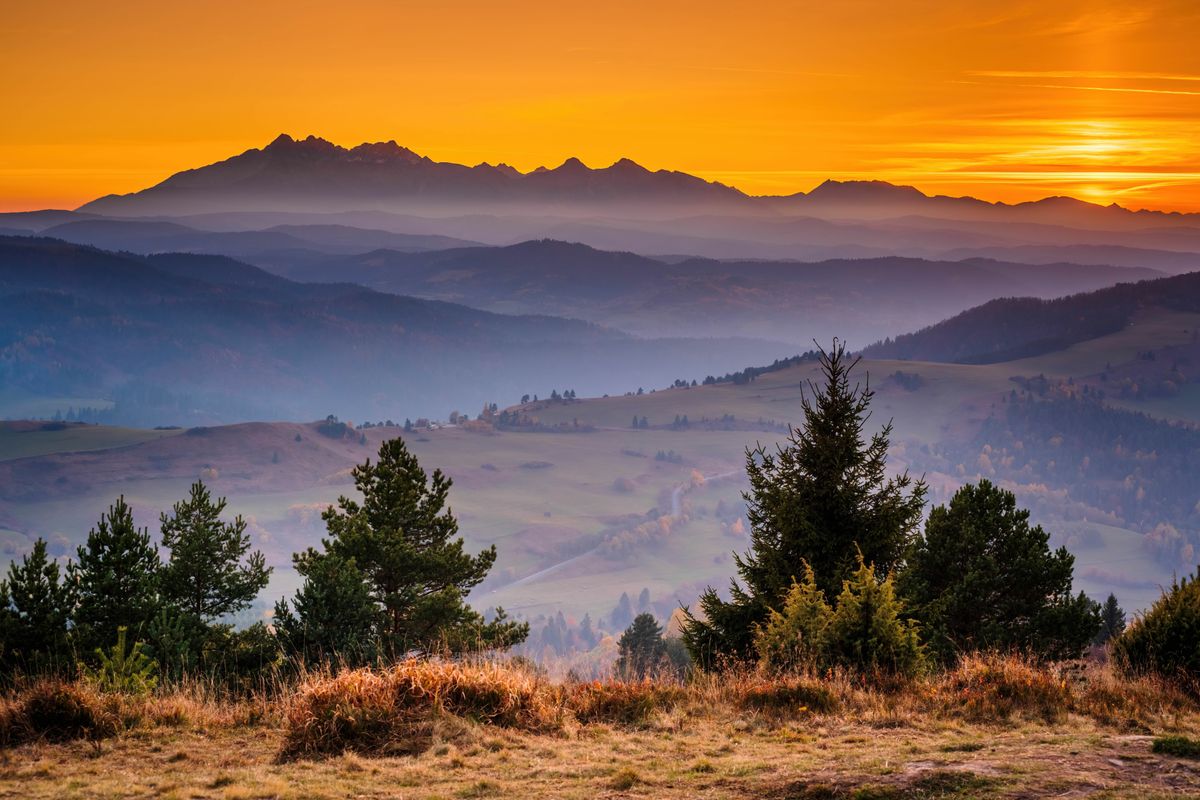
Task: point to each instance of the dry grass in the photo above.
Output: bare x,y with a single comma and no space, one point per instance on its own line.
394,710
993,726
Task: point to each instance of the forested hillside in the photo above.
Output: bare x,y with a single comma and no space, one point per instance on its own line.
1012,328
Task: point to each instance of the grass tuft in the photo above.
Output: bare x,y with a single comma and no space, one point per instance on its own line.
1181,746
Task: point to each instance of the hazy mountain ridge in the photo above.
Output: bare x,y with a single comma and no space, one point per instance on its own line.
864,299
187,338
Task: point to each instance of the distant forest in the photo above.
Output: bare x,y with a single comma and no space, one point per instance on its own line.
1012,328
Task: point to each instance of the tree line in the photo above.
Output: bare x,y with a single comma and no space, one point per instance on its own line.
390,579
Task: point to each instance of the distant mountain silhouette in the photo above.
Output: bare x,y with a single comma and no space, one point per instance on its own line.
314,175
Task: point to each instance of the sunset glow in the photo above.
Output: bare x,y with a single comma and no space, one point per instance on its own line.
1002,100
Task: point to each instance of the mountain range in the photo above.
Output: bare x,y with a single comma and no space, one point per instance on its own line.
315,175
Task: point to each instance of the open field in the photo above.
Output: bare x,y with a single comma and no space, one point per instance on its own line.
28,439
1005,730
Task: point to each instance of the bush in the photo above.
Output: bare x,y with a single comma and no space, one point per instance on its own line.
795,638
1180,746
787,695
621,703
59,711
993,686
121,671
1165,641
394,710
866,632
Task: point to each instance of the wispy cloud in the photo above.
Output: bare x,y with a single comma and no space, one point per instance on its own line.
1116,89
1082,75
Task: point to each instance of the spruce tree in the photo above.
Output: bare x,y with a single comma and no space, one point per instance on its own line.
36,611
116,577
982,577
405,542
211,571
641,649
821,498
1112,621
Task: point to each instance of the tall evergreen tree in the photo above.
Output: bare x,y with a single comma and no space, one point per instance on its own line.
404,540
641,649
821,498
982,577
1112,621
116,577
211,571
36,610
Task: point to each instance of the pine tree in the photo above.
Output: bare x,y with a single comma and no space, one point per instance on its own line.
211,571
641,649
334,616
982,577
37,608
1112,621
116,577
822,498
404,541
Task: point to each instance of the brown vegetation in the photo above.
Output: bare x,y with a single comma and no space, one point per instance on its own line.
503,719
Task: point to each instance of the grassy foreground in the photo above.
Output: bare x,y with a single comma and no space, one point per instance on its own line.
994,727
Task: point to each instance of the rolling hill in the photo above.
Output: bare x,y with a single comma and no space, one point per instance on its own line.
183,339
1011,328
862,299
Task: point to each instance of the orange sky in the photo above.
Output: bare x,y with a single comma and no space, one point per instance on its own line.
1003,100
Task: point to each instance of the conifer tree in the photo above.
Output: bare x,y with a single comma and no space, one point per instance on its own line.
116,577
405,542
37,606
982,577
211,571
623,614
334,615
1112,621
641,649
795,636
867,631
822,498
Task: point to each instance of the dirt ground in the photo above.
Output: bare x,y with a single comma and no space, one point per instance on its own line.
675,758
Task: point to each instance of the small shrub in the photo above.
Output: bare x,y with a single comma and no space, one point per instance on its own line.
121,671
787,695
1180,746
625,779
622,703
394,710
991,686
58,711
795,638
1165,641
